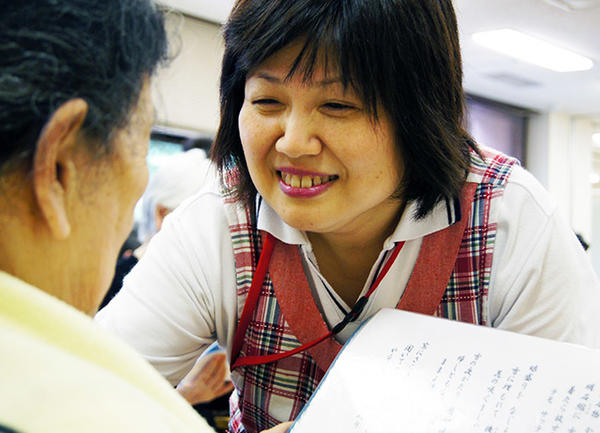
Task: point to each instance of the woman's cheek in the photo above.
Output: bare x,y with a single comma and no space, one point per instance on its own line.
247,127
257,135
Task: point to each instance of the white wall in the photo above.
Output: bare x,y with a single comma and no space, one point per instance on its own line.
595,237
581,168
186,94
559,154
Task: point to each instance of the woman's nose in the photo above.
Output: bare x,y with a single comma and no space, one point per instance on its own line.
299,136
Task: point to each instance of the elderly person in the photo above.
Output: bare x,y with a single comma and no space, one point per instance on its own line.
75,119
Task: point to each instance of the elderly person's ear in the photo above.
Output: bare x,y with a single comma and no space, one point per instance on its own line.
53,166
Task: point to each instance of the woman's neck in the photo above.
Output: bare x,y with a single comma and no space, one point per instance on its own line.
345,258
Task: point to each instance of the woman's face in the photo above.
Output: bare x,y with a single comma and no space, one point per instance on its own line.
314,153
104,215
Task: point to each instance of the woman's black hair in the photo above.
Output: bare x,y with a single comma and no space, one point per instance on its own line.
401,55
55,50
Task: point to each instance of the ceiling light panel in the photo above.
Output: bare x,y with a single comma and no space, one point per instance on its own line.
571,5
532,50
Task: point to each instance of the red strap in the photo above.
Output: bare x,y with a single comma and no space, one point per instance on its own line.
265,359
253,294
436,261
386,267
423,294
298,307
289,284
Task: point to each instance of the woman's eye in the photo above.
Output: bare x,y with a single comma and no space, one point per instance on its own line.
337,106
265,102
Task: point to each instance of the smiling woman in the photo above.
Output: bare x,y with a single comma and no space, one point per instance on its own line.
349,185
75,120
286,123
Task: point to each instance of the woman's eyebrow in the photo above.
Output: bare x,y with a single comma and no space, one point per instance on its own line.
277,80
267,77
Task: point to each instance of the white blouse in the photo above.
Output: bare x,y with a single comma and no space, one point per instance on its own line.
182,294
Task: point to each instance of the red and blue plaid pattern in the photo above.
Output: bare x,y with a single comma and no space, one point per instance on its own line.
268,394
465,299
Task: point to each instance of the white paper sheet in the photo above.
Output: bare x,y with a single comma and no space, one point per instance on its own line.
404,372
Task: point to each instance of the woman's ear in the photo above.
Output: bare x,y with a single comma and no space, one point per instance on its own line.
53,165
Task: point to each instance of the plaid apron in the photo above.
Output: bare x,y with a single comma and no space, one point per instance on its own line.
268,394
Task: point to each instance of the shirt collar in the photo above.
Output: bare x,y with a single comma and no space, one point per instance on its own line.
409,227
269,221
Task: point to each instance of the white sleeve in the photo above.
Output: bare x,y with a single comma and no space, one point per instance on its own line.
180,297
542,282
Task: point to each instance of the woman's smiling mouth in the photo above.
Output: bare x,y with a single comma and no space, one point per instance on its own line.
304,181
302,184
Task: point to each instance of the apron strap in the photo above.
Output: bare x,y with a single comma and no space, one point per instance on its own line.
298,305
253,294
423,294
436,261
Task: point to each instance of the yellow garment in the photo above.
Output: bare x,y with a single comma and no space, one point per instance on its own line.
60,373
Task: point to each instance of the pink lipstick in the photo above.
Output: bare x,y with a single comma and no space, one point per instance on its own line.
304,184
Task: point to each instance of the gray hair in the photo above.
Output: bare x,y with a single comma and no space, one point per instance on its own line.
52,51
178,178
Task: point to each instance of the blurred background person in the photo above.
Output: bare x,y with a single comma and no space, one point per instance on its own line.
125,261
75,120
177,178
208,385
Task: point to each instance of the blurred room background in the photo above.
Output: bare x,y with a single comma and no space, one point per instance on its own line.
543,108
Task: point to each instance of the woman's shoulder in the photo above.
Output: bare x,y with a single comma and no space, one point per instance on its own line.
513,189
523,186
209,214
489,166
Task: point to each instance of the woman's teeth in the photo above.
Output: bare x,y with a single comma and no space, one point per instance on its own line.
297,181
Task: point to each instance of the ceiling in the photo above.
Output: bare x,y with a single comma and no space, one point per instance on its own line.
496,76
572,24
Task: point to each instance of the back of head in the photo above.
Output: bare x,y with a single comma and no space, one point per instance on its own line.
52,51
75,116
399,55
